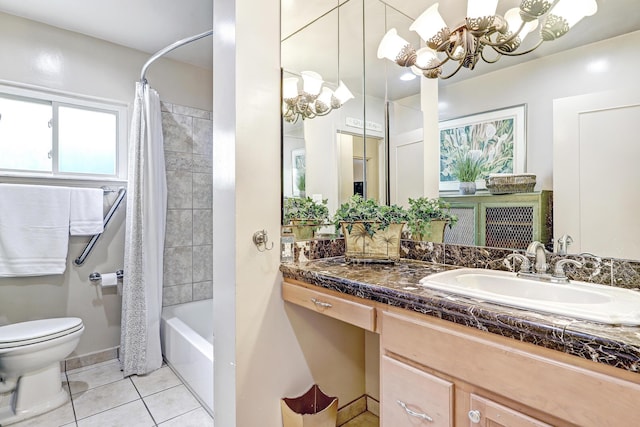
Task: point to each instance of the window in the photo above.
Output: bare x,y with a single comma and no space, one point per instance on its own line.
52,135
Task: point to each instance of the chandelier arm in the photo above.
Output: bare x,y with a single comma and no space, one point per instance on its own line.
325,113
537,45
455,71
487,41
291,118
491,61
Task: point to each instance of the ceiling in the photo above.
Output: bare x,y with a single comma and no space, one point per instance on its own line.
145,25
150,25
311,43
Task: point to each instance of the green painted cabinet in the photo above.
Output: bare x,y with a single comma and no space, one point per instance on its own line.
502,221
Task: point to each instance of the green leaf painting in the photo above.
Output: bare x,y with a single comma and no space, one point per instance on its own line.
493,139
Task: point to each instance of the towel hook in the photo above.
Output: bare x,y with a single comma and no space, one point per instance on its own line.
260,239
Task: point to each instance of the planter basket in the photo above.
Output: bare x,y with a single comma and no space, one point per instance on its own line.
511,183
383,246
304,229
312,409
434,232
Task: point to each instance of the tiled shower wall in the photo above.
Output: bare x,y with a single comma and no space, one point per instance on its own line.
188,243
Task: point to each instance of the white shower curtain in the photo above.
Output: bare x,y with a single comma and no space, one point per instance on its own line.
140,351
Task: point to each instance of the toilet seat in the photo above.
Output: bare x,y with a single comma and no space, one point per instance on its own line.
35,331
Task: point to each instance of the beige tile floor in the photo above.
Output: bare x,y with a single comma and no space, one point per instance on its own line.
366,419
101,397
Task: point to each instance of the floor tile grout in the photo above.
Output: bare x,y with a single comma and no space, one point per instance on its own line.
132,382
143,401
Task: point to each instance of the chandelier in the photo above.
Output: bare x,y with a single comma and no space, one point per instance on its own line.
481,31
314,99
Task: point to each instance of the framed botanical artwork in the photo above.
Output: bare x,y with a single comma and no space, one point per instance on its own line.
497,139
298,172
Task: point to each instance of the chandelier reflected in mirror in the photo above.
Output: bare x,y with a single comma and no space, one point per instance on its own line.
313,100
481,31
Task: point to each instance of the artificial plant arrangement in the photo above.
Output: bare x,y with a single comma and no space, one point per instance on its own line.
467,169
372,231
428,217
305,216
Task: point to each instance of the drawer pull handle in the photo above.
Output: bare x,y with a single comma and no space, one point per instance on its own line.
414,413
474,416
322,304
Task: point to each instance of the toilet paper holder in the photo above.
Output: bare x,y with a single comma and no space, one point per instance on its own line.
95,277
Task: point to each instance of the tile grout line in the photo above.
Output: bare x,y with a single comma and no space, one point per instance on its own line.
106,410
76,419
73,407
180,415
143,401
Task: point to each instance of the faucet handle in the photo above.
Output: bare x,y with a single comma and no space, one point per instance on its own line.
558,269
563,244
525,264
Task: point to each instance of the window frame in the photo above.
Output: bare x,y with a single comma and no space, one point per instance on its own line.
65,99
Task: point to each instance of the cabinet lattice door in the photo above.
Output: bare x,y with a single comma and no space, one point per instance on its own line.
509,221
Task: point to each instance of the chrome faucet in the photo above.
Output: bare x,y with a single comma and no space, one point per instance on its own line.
541,267
563,244
558,270
536,249
525,265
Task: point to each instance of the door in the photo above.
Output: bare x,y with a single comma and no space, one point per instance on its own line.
595,159
406,166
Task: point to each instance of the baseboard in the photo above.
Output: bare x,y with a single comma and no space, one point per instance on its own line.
90,359
373,406
356,407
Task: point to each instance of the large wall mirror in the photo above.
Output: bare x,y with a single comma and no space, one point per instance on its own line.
356,148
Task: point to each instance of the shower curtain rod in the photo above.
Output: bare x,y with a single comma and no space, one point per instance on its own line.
168,49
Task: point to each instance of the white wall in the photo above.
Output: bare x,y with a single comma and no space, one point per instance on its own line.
264,348
608,65
40,55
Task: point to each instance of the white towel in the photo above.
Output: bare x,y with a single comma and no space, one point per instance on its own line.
34,229
86,214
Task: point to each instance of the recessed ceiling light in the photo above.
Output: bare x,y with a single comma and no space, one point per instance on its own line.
598,66
407,77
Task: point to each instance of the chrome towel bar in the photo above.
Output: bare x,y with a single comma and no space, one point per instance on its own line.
122,192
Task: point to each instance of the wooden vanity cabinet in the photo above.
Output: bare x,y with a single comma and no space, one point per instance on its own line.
501,382
487,413
413,397
437,373
337,306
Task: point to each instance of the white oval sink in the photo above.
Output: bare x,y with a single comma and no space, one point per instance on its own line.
582,300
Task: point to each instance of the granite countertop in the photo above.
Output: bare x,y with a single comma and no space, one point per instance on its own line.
397,285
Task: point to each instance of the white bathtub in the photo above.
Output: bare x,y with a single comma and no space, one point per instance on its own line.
187,346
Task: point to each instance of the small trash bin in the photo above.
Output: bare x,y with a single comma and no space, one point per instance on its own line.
312,409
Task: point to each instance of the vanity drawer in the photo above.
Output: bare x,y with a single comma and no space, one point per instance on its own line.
412,397
486,412
338,307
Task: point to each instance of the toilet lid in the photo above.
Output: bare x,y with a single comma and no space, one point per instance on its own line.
34,331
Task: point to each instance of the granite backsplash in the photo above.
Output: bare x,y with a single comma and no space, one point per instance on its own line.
607,271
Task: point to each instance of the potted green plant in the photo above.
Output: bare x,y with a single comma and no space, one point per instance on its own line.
427,219
371,231
305,216
467,168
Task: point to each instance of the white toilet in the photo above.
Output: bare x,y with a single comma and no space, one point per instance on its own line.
30,355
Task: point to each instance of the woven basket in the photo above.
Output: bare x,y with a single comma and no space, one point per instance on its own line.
511,183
